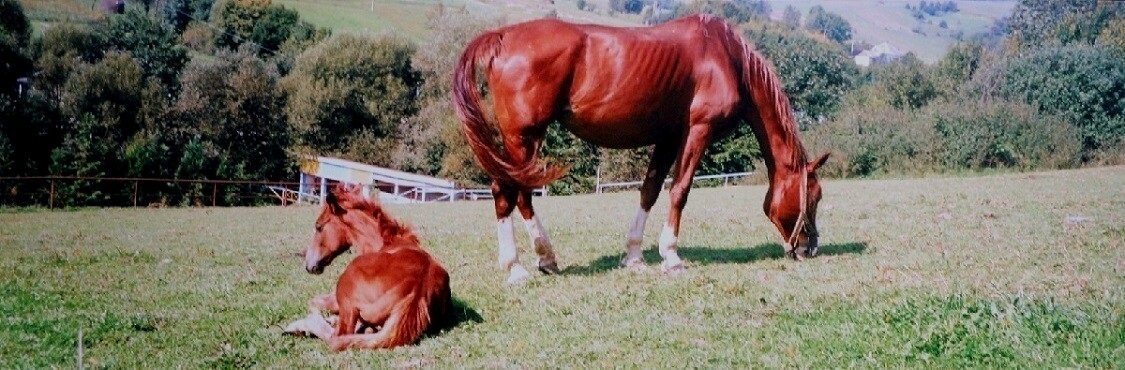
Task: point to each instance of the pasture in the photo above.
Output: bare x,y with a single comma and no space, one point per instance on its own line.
1021,270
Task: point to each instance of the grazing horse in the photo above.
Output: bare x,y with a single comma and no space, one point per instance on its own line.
392,284
678,87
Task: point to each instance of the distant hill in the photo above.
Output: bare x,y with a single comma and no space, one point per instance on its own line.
874,21
890,21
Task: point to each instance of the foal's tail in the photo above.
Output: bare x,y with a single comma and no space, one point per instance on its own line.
466,101
409,319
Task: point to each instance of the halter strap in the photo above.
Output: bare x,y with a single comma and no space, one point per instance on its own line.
804,208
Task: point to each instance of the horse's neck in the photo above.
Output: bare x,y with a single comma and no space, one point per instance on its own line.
780,147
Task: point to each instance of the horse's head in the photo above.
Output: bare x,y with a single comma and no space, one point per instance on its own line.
798,230
335,227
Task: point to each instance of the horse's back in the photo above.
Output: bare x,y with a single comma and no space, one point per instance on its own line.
619,87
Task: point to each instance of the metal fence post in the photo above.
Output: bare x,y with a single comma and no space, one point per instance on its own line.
51,200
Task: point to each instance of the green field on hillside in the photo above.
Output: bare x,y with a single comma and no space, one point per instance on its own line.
890,21
1014,270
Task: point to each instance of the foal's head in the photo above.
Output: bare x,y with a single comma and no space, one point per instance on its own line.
347,219
784,208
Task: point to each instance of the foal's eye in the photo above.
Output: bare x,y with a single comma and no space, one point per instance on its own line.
319,228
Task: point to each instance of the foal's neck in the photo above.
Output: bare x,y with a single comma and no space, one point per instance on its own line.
382,233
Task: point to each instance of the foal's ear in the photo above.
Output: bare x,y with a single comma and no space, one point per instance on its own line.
819,161
339,199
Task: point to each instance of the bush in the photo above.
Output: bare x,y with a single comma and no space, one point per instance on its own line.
1085,85
943,137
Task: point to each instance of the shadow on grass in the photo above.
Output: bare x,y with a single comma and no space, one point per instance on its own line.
462,315
710,255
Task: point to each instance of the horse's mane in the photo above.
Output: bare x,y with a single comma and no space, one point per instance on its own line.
757,73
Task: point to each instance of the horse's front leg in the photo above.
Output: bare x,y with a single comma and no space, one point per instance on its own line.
694,144
546,262
658,166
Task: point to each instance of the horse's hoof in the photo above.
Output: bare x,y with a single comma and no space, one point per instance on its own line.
518,275
636,266
671,269
550,268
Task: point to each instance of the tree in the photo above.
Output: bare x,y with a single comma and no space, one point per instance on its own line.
957,67
791,17
259,23
816,73
101,102
153,43
829,24
179,13
349,91
15,34
431,141
905,83
1086,85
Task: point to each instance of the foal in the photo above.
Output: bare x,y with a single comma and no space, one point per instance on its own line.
392,285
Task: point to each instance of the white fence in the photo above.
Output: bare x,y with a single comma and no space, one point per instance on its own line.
625,184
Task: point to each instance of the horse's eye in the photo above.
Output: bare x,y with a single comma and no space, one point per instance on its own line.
319,228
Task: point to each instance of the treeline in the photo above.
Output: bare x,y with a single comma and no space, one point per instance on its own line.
239,89
228,89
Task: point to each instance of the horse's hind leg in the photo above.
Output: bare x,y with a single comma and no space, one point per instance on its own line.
662,157
543,248
507,253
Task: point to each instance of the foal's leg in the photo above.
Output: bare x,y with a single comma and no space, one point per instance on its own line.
546,261
695,143
658,166
507,253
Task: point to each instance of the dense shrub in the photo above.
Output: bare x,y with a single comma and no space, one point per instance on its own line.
943,137
1085,85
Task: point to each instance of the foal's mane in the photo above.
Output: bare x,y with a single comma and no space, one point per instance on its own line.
758,75
389,228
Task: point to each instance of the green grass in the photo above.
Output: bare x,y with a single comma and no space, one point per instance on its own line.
939,272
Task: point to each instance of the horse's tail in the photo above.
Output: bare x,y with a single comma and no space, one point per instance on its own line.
466,101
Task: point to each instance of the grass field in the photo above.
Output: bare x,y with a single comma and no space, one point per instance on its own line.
940,272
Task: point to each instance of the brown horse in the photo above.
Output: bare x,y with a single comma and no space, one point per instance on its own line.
392,284
677,86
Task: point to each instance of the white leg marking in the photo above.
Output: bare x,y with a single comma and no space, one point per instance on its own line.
507,254
542,243
634,239
668,240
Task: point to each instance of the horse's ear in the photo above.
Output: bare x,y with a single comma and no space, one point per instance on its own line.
819,161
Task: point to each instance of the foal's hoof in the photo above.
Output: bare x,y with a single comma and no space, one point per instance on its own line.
551,268
518,275
300,328
634,265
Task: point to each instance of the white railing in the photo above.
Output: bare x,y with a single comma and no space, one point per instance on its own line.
725,177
